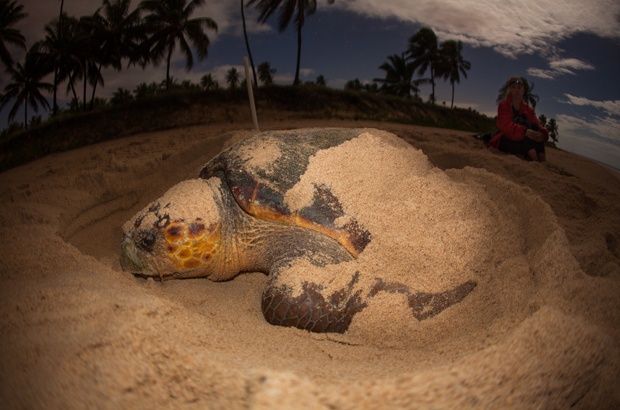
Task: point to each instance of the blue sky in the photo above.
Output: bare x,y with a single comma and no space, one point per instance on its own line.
570,49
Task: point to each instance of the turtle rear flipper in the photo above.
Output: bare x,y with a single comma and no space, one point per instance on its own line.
313,311
426,305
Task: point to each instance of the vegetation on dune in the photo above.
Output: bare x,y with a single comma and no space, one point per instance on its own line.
151,107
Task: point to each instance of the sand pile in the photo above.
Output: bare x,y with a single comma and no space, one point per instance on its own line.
540,329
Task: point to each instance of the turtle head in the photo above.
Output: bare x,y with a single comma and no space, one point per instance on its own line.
176,236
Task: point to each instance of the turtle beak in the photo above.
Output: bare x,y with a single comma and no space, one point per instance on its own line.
129,256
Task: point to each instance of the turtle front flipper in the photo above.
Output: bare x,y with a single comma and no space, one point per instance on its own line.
310,309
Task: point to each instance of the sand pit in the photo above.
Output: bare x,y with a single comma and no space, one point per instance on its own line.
540,330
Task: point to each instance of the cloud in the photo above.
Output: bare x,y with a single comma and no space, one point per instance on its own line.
542,73
594,136
567,65
511,28
605,128
305,74
227,15
560,66
598,137
611,107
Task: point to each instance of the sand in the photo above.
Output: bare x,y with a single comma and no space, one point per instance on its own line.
540,330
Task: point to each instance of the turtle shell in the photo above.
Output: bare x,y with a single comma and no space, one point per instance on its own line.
260,170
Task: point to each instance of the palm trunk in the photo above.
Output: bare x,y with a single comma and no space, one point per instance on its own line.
55,108
84,88
300,24
452,103
72,85
296,82
26,114
432,83
247,45
92,98
168,68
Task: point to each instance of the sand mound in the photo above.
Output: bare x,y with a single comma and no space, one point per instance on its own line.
539,330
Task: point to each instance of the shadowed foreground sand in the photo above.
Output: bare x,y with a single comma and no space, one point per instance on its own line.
540,330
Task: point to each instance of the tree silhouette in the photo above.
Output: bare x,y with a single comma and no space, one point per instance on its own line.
424,51
553,128
354,85
144,90
398,76
265,73
121,96
26,86
247,43
55,109
287,8
63,49
169,23
543,120
207,82
114,31
232,78
531,98
454,63
10,14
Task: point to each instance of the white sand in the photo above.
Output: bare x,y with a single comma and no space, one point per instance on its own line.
540,330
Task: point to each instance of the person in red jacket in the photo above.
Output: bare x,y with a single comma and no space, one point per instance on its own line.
520,131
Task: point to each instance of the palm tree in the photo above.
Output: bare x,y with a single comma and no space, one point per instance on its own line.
207,82
10,14
398,76
232,78
424,51
114,31
63,49
354,85
453,63
169,22
90,57
144,90
287,8
121,96
26,86
55,109
265,73
247,43
553,128
531,98
76,39
543,120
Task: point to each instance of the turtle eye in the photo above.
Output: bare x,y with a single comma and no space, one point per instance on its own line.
146,240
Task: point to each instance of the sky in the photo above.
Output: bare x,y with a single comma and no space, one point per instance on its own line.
570,50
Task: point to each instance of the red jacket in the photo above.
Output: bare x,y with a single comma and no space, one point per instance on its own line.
507,127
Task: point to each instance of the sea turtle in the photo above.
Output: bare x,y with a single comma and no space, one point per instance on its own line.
237,217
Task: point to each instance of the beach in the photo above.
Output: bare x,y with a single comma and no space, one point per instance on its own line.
540,330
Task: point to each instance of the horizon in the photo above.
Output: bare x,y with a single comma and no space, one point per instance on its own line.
571,52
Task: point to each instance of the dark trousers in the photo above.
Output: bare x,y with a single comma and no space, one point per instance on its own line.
520,147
